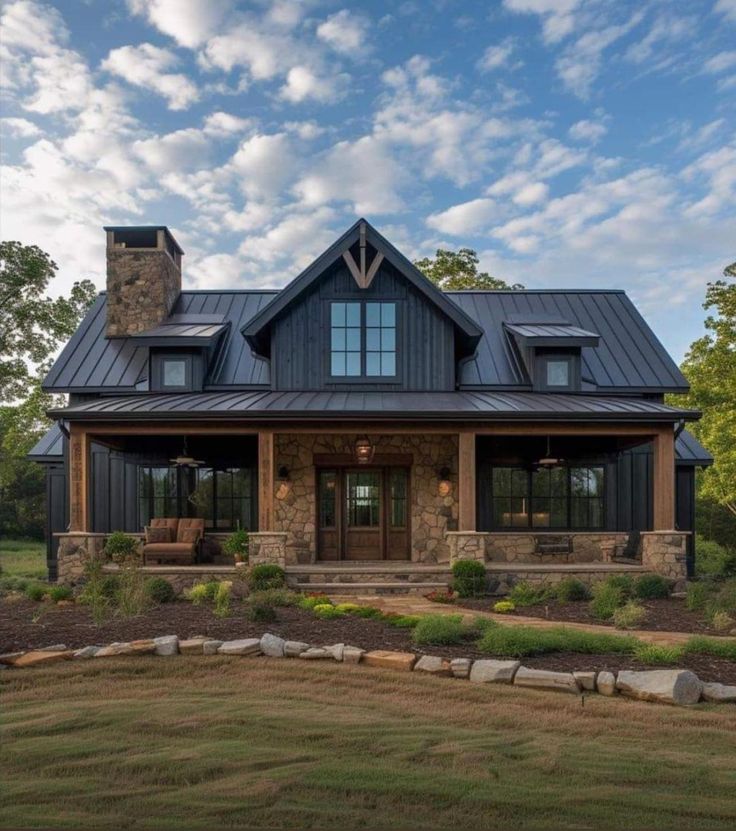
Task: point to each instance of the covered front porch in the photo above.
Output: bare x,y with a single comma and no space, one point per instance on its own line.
373,503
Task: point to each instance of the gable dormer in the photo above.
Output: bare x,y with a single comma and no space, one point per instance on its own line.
362,317
550,351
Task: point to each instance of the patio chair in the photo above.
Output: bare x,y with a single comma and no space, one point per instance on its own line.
185,536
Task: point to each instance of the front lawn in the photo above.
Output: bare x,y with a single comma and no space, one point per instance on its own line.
215,743
23,558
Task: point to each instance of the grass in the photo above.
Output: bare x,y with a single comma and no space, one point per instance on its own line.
517,641
220,743
23,558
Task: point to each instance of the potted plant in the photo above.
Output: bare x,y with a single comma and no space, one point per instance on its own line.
237,546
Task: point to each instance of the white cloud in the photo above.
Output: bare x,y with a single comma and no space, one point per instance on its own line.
466,218
263,164
345,32
174,152
189,22
720,62
303,83
147,66
531,193
20,127
666,30
498,56
717,171
558,18
727,8
223,124
585,130
33,27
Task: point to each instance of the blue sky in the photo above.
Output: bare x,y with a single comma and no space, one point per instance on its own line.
572,143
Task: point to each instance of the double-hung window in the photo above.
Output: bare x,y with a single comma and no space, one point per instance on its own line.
363,339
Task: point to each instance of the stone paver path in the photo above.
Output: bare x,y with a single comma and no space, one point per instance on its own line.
414,605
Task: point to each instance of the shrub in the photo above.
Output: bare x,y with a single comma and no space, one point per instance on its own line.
697,596
236,545
401,621
222,598
713,560
259,611
121,548
110,586
571,589
607,597
57,593
725,598
629,616
719,647
525,594
36,591
326,611
503,607
649,653
722,621
13,584
624,582
275,597
202,592
440,629
266,576
441,596
99,592
518,641
312,600
347,608
652,587
368,612
131,598
469,578
160,590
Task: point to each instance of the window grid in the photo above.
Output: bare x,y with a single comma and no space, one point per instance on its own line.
363,339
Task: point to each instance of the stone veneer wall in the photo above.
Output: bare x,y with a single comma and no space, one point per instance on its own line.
75,551
599,547
665,552
142,287
431,515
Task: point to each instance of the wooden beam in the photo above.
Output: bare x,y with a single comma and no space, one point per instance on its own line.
664,480
375,265
466,481
265,481
78,479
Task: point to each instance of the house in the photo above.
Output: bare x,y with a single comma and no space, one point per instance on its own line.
366,427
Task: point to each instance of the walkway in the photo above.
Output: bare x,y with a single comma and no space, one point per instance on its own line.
413,605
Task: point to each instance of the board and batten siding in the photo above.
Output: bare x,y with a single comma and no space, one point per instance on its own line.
301,336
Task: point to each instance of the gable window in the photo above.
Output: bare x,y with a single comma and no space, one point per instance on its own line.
558,372
363,340
174,372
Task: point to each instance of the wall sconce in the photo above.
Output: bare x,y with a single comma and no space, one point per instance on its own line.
284,487
364,451
445,486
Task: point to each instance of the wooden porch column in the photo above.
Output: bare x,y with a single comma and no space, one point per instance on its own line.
78,478
466,481
265,480
664,480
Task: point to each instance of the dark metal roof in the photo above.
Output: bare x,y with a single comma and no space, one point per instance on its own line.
467,326
552,334
50,447
628,357
689,451
90,362
184,330
500,406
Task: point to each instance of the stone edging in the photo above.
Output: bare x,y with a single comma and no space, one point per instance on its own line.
665,686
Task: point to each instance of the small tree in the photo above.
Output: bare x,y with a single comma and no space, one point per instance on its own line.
236,545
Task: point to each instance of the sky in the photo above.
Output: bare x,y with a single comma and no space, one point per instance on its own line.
571,143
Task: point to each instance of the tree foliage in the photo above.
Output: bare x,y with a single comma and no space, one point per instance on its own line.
710,367
458,270
32,325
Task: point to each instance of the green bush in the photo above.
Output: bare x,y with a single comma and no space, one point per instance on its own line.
624,582
36,591
629,616
650,653
607,597
714,560
57,593
719,647
222,598
402,621
266,576
312,600
440,630
698,595
326,611
652,587
348,608
503,607
160,590
202,592
275,597
525,594
110,586
722,621
259,611
518,641
237,545
121,547
724,599
469,578
571,589
13,584
368,612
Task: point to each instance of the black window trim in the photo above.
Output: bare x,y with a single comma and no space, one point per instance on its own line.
543,357
158,361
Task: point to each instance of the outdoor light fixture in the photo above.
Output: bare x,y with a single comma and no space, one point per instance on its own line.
284,488
445,486
364,451
184,459
548,460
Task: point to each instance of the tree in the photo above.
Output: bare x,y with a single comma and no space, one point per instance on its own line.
457,270
710,367
32,325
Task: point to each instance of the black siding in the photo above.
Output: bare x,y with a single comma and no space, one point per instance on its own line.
57,513
300,337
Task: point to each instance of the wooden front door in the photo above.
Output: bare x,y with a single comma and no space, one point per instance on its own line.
363,513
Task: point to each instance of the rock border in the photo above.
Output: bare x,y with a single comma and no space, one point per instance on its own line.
664,686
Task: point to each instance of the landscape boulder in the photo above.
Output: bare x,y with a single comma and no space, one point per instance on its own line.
337,650
272,645
606,683
193,646
293,649
167,645
245,646
460,667
314,653
140,647
211,646
36,657
87,652
719,693
433,664
487,671
403,661
352,654
586,680
544,679
668,686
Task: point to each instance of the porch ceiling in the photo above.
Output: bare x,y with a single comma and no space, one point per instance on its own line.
376,406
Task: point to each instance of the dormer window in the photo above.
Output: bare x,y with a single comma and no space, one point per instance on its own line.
363,340
174,373
557,371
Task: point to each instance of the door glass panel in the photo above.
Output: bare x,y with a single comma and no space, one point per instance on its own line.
397,488
327,488
363,499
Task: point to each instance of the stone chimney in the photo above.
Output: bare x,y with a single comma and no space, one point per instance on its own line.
143,278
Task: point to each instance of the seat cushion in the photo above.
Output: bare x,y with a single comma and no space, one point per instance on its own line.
155,534
187,524
170,522
165,548
188,535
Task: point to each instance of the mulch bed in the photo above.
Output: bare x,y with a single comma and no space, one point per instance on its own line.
669,615
26,625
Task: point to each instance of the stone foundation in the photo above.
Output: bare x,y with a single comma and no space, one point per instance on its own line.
432,515
75,551
555,547
665,552
501,581
467,545
267,547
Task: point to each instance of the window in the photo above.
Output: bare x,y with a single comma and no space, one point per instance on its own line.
327,493
554,498
158,493
556,370
362,340
558,373
174,372
397,494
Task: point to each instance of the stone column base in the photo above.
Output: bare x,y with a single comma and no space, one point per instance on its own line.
665,552
267,547
75,551
467,545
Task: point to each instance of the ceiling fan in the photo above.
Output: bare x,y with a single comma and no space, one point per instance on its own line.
185,460
548,460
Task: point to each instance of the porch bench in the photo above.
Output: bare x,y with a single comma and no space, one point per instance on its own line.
187,537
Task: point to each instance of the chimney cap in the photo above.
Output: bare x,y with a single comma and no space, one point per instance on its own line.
142,229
